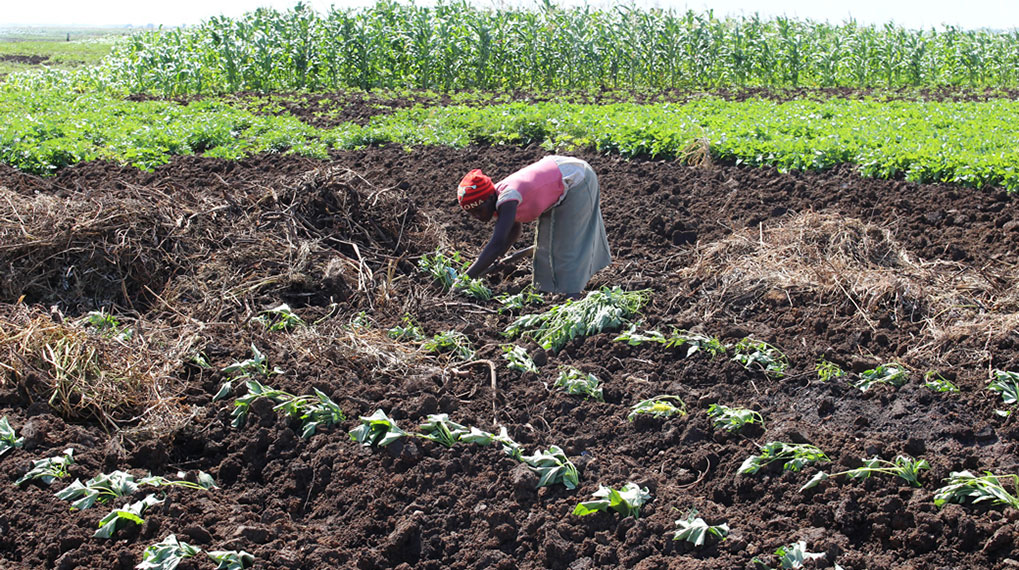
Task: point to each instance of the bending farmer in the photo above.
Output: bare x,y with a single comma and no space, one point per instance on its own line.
562,194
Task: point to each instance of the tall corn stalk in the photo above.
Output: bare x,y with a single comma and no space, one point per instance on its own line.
454,45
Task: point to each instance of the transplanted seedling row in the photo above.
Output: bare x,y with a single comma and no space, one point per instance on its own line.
109,487
579,383
314,411
450,341
106,488
751,353
166,555
758,355
960,486
552,466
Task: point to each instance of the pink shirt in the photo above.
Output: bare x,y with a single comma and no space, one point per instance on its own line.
535,188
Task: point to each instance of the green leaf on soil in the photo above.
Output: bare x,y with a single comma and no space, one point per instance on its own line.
46,470
626,501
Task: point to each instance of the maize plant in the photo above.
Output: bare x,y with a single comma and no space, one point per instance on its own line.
454,45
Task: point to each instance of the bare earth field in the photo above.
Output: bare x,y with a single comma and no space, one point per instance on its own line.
830,265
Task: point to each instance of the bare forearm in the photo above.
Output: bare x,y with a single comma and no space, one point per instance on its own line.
495,249
485,260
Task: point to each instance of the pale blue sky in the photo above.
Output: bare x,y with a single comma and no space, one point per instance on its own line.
968,14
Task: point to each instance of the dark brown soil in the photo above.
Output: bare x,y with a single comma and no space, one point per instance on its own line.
202,234
26,59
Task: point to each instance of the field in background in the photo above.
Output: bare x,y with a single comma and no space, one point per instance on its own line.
24,49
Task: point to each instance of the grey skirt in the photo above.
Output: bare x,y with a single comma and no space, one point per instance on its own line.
570,243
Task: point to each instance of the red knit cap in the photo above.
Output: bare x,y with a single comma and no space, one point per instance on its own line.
474,189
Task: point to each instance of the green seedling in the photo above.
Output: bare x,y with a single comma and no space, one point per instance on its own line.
792,455
828,370
439,428
256,390
118,518
518,359
963,486
315,411
893,374
678,338
8,439
280,318
200,360
903,467
105,487
99,320
449,273
444,270
225,389
376,430
762,356
696,530
794,555
100,489
232,559
255,365
167,554
600,310
1007,384
408,331
205,481
633,338
695,342
450,341
663,406
933,380
552,466
484,438
732,419
361,321
472,288
626,501
524,298
49,469
580,383
106,324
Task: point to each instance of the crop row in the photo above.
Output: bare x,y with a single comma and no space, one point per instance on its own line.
967,143
601,310
453,45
